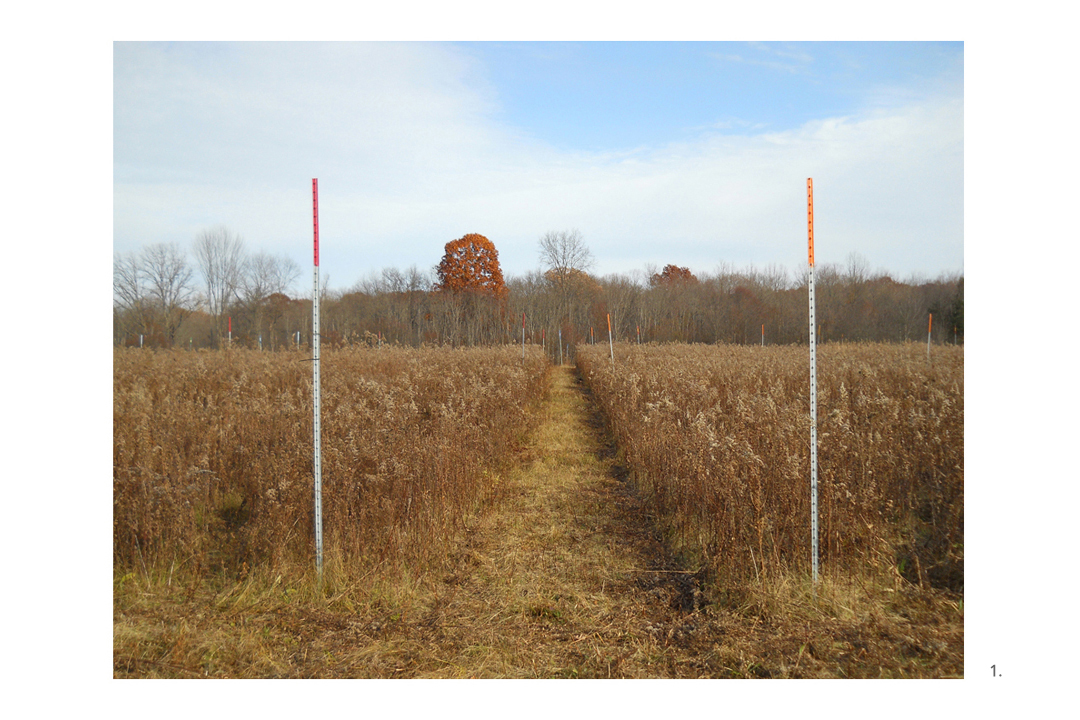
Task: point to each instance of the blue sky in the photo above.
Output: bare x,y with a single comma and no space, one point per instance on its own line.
652,93
694,153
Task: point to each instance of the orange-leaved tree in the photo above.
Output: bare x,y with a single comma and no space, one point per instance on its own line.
672,273
471,263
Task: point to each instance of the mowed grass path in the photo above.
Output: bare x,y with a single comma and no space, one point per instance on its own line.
563,579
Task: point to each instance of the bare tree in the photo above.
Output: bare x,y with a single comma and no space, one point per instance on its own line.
169,286
264,275
127,280
624,298
567,260
285,273
858,268
565,251
220,256
129,296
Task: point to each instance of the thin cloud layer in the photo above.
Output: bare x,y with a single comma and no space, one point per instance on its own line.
409,157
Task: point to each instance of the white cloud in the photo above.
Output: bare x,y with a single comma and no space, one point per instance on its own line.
408,157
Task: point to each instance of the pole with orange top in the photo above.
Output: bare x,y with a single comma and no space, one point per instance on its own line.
813,385
929,328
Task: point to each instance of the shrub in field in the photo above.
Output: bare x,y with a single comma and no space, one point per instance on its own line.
212,451
718,439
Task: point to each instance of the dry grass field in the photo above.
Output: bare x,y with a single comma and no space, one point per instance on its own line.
716,440
646,522
213,454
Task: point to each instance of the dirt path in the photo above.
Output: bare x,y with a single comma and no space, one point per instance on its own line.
563,579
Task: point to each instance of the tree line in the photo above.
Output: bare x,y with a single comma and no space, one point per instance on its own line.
162,300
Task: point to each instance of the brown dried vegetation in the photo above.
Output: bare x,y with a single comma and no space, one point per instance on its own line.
717,439
213,454
470,535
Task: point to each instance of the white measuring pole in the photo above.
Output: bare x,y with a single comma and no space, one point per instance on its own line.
522,337
317,390
611,343
813,385
929,327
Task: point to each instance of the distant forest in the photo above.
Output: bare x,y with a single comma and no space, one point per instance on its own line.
162,300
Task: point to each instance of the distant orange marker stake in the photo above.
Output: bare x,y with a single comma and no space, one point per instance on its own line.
929,328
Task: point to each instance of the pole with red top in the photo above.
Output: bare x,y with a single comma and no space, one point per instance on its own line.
316,393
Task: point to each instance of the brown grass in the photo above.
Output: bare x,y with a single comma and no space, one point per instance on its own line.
718,438
567,567
213,455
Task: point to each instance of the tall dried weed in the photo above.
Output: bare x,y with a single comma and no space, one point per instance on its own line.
213,453
718,439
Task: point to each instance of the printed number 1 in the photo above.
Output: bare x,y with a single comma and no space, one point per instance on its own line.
993,669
